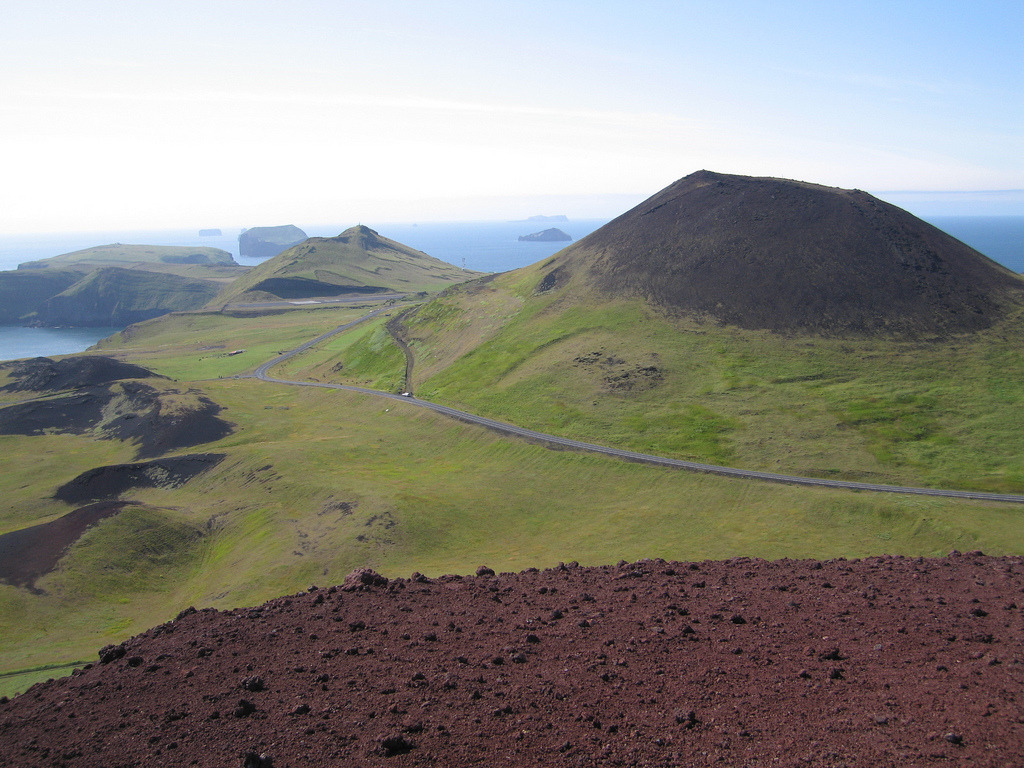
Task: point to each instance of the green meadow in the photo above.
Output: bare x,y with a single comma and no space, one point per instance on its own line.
209,345
317,482
933,412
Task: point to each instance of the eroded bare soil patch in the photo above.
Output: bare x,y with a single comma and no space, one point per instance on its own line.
30,553
111,481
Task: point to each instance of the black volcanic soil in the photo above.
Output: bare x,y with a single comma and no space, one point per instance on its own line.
789,256
880,662
304,288
29,553
75,413
41,374
143,419
157,430
111,481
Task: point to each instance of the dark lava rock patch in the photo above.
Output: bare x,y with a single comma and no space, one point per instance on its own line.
75,413
618,374
111,481
304,288
142,418
41,374
887,661
29,553
157,430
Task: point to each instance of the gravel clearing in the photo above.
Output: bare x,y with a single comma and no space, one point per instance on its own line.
886,661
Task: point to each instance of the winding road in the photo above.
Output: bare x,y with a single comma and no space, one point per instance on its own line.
564,442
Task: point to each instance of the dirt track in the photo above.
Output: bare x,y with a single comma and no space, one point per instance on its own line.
881,662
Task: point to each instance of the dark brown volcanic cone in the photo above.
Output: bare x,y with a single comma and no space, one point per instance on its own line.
787,255
880,662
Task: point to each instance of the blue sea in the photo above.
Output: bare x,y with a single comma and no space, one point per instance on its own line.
486,246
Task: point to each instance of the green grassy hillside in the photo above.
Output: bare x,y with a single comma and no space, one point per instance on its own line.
943,412
357,261
122,255
317,482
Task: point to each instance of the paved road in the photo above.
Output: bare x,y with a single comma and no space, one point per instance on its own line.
359,298
554,440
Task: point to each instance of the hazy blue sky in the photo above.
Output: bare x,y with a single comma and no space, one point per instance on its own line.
217,113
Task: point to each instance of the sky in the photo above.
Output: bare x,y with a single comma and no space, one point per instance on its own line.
135,115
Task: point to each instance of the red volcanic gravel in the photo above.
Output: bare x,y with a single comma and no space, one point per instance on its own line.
880,662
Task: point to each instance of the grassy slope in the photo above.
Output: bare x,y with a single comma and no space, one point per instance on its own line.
941,413
199,263
365,357
357,257
121,255
197,346
318,482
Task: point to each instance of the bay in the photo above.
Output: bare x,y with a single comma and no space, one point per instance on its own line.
17,342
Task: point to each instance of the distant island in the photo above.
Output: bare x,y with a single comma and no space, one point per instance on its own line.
546,236
210,233
266,242
115,284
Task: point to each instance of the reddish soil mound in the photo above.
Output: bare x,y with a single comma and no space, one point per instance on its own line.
881,662
787,255
41,374
111,481
27,554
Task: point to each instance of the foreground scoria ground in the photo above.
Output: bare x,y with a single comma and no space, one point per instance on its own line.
879,662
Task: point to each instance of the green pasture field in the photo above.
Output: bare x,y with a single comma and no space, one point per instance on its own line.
933,412
198,345
317,482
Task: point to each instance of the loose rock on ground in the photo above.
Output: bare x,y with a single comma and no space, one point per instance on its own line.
887,661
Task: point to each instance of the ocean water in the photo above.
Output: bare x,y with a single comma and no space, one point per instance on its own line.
1001,238
486,246
17,342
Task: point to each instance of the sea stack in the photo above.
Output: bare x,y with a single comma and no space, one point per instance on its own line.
552,235
266,242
